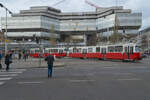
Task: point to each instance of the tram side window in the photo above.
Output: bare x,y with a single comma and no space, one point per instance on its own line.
66,49
32,51
97,49
79,50
49,50
54,50
90,50
37,51
61,51
45,51
118,48
84,51
104,50
111,49
131,50
74,50
70,50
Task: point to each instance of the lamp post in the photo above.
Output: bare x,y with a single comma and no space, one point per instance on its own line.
5,36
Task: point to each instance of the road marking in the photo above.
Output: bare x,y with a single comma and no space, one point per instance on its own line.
10,72
123,73
81,80
110,67
18,69
30,82
9,75
1,79
130,79
1,83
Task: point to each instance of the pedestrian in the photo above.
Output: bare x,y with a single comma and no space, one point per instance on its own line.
0,60
19,55
24,56
50,60
8,61
27,55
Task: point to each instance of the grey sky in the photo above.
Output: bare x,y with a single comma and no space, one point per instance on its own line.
80,6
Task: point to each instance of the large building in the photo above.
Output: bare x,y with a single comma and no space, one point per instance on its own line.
70,27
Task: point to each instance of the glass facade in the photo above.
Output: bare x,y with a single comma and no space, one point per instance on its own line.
21,22
28,26
78,25
106,22
33,21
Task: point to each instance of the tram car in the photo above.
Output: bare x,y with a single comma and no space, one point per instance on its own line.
57,52
35,52
117,52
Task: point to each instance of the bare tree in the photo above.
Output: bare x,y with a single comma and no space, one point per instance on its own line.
52,36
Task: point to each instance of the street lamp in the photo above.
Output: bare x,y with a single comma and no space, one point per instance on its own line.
7,10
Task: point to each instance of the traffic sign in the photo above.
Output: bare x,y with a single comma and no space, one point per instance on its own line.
7,41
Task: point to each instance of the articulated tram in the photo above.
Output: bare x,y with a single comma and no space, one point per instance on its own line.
58,52
119,52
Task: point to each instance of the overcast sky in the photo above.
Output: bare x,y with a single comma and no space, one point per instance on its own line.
79,6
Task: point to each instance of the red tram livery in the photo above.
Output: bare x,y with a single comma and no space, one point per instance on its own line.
117,52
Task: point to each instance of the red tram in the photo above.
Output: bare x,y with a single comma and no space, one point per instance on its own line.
58,52
117,52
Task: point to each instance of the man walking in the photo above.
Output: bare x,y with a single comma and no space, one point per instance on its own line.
0,60
50,60
8,61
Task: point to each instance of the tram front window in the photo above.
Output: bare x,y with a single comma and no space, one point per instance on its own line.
137,49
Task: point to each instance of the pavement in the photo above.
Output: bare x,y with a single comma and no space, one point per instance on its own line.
32,63
80,79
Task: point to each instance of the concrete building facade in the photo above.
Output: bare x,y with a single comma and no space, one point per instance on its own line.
70,27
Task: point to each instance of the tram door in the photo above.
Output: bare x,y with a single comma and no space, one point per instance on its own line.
103,51
128,52
84,52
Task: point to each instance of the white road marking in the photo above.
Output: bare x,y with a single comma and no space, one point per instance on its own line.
81,80
111,67
10,72
30,82
9,75
1,79
18,69
1,83
123,73
129,79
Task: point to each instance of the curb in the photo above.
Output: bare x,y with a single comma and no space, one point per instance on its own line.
55,66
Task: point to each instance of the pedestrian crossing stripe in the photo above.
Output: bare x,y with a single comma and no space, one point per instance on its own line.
1,83
10,72
8,75
2,79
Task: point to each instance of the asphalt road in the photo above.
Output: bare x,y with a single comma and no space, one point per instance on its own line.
80,80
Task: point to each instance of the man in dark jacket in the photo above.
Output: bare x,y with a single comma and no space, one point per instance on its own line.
50,60
8,60
0,59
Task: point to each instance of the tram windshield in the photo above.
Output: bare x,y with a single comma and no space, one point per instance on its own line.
137,49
